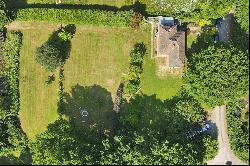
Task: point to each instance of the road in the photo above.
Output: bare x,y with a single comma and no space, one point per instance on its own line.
225,155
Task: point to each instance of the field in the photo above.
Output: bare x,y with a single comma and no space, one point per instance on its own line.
99,56
98,60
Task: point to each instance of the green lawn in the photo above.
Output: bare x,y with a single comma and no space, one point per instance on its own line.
164,88
190,39
37,101
98,59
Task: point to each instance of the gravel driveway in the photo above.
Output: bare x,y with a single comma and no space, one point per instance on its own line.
225,155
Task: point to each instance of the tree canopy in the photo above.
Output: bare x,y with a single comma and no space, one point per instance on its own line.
218,74
3,16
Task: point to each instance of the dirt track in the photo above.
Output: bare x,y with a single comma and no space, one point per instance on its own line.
225,154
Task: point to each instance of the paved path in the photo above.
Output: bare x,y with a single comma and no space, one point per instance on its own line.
225,154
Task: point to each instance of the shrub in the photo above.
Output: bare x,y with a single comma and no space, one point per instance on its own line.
65,36
3,16
76,16
48,56
16,137
238,132
11,49
56,50
50,79
135,69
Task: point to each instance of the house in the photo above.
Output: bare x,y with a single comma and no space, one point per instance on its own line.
170,45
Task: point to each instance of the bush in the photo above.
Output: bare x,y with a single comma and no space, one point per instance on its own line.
11,49
238,132
49,57
55,51
3,16
50,79
135,69
76,16
16,137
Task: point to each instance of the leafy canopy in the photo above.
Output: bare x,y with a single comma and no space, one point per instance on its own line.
218,74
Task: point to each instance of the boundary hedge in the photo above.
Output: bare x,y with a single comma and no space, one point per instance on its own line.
77,16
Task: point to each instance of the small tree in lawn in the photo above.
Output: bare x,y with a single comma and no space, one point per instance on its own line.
48,56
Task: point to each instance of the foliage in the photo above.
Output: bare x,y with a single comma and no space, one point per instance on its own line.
138,151
211,147
169,7
48,56
135,69
75,16
11,57
54,52
65,36
56,146
50,79
218,74
242,13
12,132
3,15
238,131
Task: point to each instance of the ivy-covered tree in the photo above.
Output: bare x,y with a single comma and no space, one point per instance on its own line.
218,74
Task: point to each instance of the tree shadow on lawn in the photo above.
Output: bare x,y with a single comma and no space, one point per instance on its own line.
147,114
63,46
97,101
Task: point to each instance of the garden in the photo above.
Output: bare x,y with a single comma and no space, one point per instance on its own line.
63,75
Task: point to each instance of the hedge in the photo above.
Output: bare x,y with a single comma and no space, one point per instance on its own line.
11,50
77,16
17,140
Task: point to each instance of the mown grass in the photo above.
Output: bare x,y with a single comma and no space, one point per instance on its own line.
37,101
163,88
99,56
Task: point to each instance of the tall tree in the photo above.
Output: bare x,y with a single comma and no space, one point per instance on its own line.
218,74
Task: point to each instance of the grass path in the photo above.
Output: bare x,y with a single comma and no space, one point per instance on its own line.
38,101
